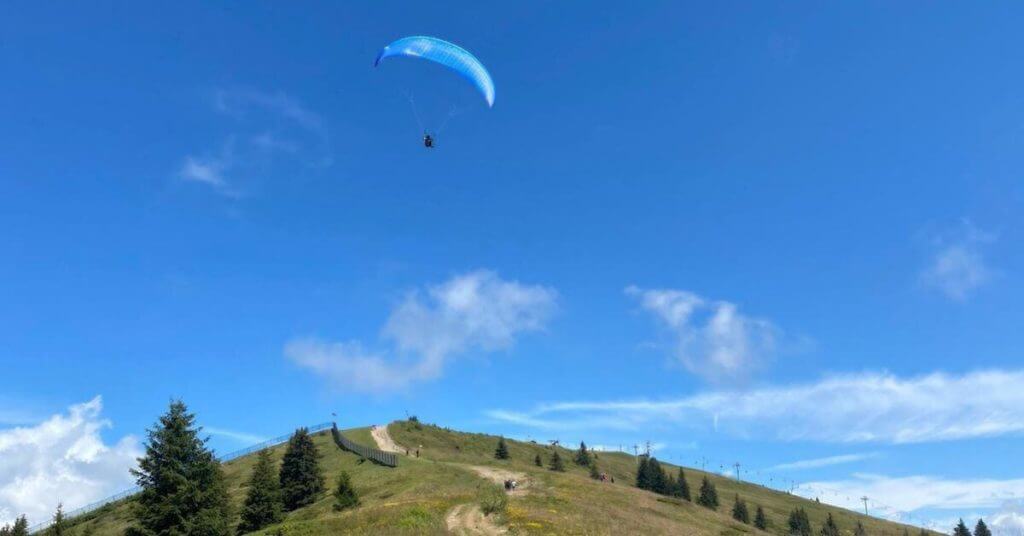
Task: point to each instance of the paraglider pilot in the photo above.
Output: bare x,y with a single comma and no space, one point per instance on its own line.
428,142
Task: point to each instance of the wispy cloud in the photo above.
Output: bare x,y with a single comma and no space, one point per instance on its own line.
269,127
711,337
62,457
958,267
894,496
477,310
240,437
870,407
823,462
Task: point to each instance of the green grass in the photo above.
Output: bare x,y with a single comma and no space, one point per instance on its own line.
414,497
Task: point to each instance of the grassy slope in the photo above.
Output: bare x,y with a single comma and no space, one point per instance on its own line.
572,503
414,497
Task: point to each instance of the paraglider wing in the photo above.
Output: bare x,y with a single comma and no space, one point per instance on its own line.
451,56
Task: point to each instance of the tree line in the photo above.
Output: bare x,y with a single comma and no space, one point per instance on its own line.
184,491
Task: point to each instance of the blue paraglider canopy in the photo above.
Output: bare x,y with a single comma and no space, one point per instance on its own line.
444,53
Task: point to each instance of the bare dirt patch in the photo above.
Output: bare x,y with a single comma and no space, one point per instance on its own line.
469,520
383,438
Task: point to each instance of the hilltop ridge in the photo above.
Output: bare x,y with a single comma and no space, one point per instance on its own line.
441,492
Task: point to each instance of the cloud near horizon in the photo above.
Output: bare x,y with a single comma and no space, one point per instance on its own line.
63,459
711,337
859,408
472,311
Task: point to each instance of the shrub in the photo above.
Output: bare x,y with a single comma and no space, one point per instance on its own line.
493,500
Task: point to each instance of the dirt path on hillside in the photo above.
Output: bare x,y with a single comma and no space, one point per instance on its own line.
383,438
499,476
468,520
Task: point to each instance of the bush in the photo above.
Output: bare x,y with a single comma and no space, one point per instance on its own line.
493,500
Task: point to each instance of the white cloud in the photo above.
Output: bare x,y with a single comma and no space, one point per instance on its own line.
958,268
894,497
1009,519
274,128
62,459
823,462
476,310
869,407
712,338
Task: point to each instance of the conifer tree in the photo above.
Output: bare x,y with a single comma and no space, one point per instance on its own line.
739,510
582,455
760,521
799,523
682,489
300,477
859,530
345,495
537,461
961,529
658,478
501,452
556,463
59,526
981,529
5,530
708,495
19,528
594,472
183,489
830,528
263,503
643,477
923,533
906,532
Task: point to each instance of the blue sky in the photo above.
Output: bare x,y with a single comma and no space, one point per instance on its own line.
775,234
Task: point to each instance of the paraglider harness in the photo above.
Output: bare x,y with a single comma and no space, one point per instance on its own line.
428,141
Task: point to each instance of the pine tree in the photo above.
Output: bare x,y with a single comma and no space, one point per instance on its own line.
760,521
501,452
556,463
594,472
659,480
859,530
799,523
263,503
345,495
906,532
739,510
682,489
59,526
537,461
583,455
708,495
643,477
19,528
961,529
923,533
301,479
829,528
183,489
981,529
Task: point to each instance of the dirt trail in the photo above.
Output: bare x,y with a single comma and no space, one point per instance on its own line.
499,476
383,438
468,520
463,519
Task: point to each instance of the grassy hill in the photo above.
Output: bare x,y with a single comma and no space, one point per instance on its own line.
418,495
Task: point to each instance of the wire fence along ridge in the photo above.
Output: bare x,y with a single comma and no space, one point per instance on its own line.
389,459
135,490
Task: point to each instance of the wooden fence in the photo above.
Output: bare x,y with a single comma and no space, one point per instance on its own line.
389,459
